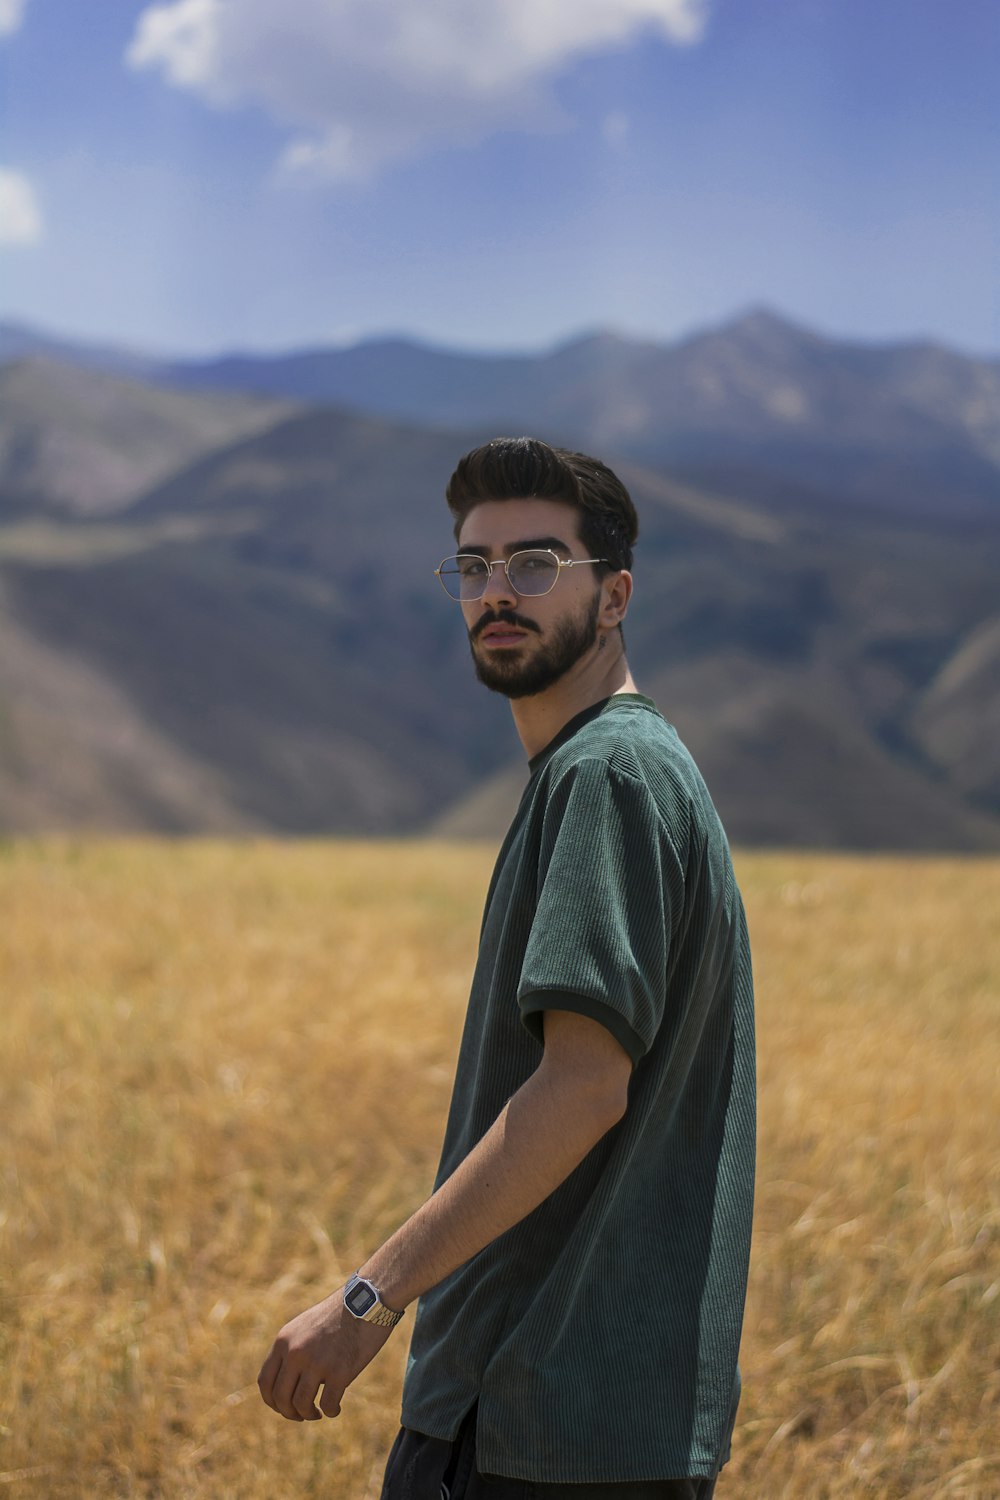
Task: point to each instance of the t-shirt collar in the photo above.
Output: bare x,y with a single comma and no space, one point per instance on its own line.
577,722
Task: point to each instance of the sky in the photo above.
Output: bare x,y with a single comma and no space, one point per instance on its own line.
195,176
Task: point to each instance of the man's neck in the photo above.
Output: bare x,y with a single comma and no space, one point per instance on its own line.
599,674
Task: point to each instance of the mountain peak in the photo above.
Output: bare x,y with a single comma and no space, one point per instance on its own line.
763,328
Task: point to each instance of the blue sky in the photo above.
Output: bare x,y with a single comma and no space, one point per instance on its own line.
199,175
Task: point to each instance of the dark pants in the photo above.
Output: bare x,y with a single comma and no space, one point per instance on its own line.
426,1468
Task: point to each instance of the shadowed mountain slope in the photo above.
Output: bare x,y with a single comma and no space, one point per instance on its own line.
258,642
84,442
916,427
956,720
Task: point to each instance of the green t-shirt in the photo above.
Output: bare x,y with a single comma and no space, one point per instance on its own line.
600,1335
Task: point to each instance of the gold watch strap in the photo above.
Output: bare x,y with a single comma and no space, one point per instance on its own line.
378,1314
382,1316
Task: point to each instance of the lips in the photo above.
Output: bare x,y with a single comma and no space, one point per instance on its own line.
502,629
503,635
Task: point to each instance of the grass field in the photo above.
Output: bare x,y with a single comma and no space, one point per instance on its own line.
198,1036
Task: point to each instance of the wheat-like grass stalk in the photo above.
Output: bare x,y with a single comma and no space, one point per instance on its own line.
200,1036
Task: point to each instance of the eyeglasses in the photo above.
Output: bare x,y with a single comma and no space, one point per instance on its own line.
465,577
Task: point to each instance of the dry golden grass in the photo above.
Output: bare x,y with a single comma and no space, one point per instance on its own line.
199,1037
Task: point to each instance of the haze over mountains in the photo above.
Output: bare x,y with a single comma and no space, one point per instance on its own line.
217,610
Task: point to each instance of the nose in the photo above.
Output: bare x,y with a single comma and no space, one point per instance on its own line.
498,590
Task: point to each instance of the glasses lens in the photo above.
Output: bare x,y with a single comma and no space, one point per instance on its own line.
464,577
533,572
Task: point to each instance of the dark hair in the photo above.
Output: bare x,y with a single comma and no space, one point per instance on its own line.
525,468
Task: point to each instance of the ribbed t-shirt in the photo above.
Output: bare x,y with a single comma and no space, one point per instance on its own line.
600,1335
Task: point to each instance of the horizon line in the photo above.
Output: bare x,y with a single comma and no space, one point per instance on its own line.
102,345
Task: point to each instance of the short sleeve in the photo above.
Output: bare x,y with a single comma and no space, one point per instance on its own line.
601,931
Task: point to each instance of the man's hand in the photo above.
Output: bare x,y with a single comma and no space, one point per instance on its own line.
578,1092
324,1346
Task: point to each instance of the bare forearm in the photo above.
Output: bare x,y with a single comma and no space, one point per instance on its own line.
577,1093
539,1137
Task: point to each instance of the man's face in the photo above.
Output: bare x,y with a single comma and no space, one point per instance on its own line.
521,646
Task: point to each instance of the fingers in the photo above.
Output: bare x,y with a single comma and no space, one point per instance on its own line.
303,1399
269,1372
329,1402
323,1347
291,1390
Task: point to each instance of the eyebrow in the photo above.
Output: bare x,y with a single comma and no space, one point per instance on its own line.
551,543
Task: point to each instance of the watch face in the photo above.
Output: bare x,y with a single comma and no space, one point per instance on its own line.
360,1299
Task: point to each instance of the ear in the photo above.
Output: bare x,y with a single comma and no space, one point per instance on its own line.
616,591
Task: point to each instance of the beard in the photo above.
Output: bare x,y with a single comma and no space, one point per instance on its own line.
504,673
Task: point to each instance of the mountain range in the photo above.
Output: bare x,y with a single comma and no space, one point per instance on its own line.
218,613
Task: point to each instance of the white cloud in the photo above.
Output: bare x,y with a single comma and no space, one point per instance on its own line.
181,38
11,15
375,81
20,215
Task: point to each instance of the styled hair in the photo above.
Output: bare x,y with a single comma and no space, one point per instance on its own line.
523,468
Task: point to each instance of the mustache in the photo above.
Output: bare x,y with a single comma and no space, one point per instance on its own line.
502,617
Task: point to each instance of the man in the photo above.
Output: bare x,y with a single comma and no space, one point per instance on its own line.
581,1265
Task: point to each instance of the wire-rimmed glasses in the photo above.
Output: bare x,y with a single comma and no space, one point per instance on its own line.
536,571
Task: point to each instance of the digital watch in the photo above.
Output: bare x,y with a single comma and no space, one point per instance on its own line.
362,1301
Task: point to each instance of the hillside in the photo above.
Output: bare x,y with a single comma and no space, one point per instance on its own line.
86,443
218,612
913,427
291,650
759,405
